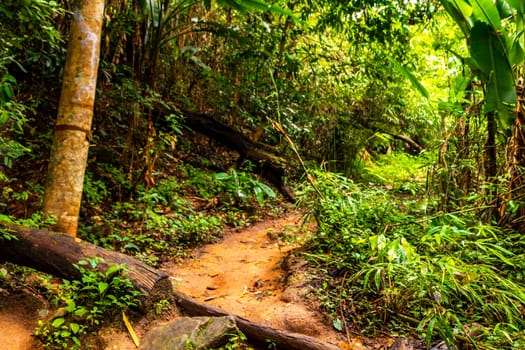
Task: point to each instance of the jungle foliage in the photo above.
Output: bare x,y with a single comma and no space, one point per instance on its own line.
406,117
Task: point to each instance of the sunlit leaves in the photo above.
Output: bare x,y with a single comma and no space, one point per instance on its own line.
245,6
486,11
413,80
492,53
460,11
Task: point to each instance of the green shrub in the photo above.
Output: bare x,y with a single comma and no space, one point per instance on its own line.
87,303
242,186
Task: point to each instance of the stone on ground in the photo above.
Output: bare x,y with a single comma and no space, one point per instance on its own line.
195,333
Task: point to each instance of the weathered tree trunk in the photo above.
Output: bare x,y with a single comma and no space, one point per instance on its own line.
271,166
72,134
255,331
55,253
491,167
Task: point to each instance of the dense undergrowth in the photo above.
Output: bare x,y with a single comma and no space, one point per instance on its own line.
178,213
386,259
392,263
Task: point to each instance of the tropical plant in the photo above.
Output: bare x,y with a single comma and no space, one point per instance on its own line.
86,303
493,31
241,185
388,263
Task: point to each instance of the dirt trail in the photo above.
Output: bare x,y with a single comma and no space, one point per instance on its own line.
242,274
18,319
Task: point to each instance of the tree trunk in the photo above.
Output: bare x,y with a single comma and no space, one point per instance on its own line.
491,167
72,133
55,253
516,166
414,147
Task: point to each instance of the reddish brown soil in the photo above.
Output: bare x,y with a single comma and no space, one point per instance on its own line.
18,319
243,274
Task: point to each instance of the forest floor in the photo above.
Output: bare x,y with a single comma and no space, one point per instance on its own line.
251,272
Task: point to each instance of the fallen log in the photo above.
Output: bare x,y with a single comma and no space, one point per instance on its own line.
55,253
415,147
255,331
271,166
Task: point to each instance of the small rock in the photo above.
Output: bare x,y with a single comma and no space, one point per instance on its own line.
442,346
407,344
196,333
290,295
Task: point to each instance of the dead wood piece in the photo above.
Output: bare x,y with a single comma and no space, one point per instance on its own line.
414,146
255,331
271,166
55,253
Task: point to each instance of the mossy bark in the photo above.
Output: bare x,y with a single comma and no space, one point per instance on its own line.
72,133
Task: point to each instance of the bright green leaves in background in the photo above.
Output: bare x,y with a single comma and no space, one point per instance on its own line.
245,6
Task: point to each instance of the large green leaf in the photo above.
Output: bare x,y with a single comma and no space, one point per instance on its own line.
464,7
518,5
504,9
486,11
232,4
261,5
244,6
487,50
516,53
519,17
